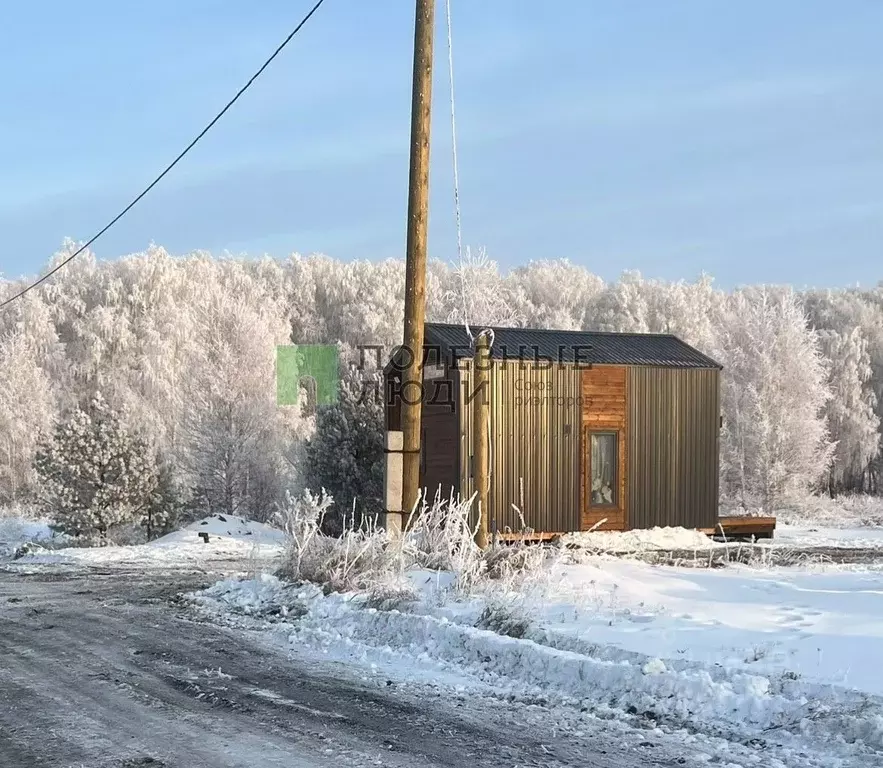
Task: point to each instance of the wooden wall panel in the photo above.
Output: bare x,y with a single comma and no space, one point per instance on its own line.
603,390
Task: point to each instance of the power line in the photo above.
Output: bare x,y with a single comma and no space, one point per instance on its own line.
171,165
456,173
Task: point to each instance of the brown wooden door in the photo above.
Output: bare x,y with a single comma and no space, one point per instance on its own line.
603,449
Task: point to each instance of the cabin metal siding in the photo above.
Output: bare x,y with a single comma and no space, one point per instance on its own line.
535,425
671,445
673,460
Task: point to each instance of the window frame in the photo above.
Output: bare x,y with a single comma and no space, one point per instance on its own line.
590,432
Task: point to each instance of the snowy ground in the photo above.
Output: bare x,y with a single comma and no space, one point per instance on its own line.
823,626
806,536
229,538
107,668
788,659
111,670
15,531
760,666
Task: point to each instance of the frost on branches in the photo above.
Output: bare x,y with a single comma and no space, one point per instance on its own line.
775,443
95,473
185,347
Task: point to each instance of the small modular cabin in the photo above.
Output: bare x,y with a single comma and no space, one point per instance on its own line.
589,430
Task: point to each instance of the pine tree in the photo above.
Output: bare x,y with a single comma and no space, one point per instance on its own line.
345,456
95,473
166,503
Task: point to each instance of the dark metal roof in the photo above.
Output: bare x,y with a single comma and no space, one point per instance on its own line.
655,349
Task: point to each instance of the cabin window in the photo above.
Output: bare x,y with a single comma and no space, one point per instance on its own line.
603,465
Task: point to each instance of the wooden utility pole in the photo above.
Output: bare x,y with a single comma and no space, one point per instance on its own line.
480,421
415,254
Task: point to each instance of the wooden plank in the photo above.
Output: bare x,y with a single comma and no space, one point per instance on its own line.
607,405
535,536
610,394
762,527
602,387
739,523
611,523
614,419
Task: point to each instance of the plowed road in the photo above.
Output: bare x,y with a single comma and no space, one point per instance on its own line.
109,669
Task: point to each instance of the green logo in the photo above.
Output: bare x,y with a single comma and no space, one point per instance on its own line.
313,367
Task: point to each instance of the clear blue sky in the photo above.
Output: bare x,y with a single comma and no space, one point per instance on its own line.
670,136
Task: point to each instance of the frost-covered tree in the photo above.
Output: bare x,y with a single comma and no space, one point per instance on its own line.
775,446
94,472
167,503
345,455
476,293
841,312
362,302
622,307
636,305
853,424
27,410
234,437
555,294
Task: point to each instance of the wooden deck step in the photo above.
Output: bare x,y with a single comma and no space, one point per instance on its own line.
526,537
743,528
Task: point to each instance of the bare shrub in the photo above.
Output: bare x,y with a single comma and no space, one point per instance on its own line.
441,537
438,537
515,561
362,558
392,598
504,619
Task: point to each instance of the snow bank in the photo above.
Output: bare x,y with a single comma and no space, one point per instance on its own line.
640,540
264,595
16,531
223,527
733,702
231,539
853,511
815,541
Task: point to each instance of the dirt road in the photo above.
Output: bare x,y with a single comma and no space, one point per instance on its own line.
109,669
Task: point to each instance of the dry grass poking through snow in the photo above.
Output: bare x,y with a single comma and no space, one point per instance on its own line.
361,559
440,537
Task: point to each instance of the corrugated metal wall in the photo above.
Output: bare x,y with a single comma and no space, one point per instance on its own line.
674,433
535,426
